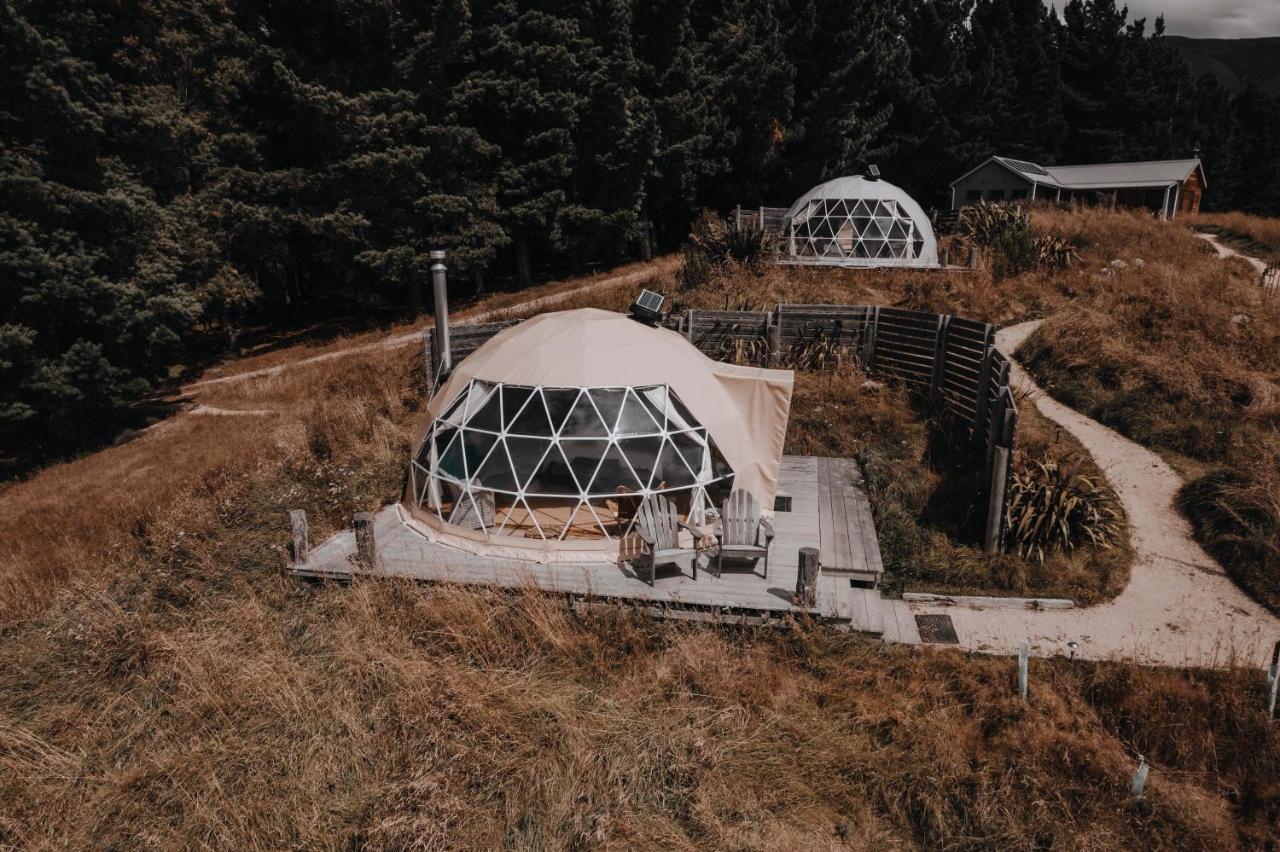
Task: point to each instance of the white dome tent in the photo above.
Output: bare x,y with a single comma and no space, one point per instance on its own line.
858,221
544,440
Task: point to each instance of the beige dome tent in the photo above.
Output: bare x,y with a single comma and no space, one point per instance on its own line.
544,440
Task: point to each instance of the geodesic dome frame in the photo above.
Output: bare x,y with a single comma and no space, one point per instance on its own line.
855,221
557,463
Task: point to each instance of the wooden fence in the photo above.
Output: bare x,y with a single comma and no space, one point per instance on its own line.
950,361
1271,279
767,219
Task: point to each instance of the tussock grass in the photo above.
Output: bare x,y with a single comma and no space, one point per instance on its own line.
1182,355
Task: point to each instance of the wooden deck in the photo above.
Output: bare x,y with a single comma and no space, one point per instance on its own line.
829,510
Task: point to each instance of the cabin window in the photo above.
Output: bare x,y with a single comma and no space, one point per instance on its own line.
1018,194
995,195
973,195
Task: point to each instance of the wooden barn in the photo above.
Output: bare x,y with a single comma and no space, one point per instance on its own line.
1166,187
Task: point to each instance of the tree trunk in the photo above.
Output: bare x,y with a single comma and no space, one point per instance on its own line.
522,260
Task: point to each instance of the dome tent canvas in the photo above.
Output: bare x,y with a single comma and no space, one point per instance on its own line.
858,221
544,440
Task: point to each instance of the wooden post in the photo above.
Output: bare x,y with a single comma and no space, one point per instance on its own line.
775,335
762,217
1022,671
301,545
737,216
688,318
869,339
807,578
984,380
1139,778
995,499
973,257
366,544
939,356
946,256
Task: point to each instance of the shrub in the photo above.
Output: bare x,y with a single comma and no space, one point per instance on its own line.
696,270
1052,506
1237,518
722,241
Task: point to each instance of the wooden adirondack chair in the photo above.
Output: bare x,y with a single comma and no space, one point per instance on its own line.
659,525
741,532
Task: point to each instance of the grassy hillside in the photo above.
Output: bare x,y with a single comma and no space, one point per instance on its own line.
1258,236
1181,354
162,683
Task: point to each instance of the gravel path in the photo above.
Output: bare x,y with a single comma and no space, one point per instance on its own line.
1179,608
1228,251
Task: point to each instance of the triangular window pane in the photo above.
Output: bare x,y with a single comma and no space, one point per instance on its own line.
608,402
526,456
860,209
583,420
692,448
477,446
643,455
559,403
457,408
513,402
584,457
614,475
655,401
495,472
449,454
533,419
489,414
553,475
671,471
635,419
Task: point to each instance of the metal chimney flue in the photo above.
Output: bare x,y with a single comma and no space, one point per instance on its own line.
440,292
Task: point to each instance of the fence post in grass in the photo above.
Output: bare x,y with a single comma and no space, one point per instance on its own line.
774,324
940,332
807,578
869,339
1022,671
366,544
301,545
995,499
688,318
984,380
1139,778
973,257
946,256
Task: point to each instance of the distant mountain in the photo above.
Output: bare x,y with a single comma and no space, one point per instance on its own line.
1233,61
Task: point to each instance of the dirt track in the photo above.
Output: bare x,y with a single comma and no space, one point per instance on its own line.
1178,609
408,337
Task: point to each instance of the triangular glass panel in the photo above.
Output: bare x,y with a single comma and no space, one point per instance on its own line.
583,421
608,402
671,471
861,224
559,403
449,454
488,413
884,250
526,456
584,457
533,419
719,467
553,476
655,402
513,402
643,455
457,408
614,476
495,472
692,447
898,230
476,446
860,209
635,418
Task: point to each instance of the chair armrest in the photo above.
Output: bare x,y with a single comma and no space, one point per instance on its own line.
647,537
767,528
697,534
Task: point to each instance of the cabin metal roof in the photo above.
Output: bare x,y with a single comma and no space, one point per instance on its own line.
1147,173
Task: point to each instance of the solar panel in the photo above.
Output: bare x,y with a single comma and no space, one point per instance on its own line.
647,307
649,300
1024,166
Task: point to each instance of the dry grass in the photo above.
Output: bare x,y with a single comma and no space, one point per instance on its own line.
163,684
1255,235
1183,355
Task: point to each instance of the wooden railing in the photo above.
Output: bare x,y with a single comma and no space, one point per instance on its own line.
767,219
948,360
